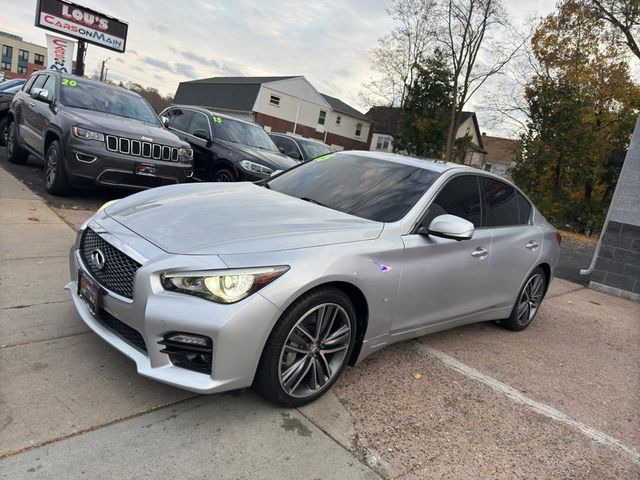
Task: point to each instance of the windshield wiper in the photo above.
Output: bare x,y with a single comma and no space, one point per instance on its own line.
311,200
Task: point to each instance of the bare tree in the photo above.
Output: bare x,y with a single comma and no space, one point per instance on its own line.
398,53
473,55
623,15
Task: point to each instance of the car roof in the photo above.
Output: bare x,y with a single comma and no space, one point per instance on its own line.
298,137
426,163
208,111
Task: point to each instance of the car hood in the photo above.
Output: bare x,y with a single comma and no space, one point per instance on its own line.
233,218
122,126
275,160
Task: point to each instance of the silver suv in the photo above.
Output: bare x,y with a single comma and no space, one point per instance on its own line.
218,286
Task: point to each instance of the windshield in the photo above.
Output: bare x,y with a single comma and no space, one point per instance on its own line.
366,187
314,149
91,96
241,132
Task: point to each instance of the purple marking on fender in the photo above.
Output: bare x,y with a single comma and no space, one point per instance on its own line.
383,268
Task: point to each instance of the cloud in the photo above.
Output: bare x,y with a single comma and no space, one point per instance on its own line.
185,70
155,62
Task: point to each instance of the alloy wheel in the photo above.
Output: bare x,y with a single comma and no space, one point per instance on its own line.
51,166
223,177
314,350
530,299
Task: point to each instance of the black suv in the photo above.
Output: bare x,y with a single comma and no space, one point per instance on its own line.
90,133
225,149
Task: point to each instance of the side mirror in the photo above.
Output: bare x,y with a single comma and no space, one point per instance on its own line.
203,134
165,121
276,172
449,226
40,94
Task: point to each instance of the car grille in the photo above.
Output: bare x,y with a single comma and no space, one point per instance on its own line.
138,148
119,269
124,331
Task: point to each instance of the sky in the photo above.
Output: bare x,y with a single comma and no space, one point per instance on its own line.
172,41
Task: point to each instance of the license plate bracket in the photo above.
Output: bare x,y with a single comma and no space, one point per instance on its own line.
90,292
145,169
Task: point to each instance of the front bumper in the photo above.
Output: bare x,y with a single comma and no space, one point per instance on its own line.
238,331
90,163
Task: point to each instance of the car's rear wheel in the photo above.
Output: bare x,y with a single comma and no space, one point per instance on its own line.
4,131
15,152
528,303
55,175
224,175
308,348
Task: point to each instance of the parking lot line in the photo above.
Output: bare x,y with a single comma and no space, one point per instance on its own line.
518,397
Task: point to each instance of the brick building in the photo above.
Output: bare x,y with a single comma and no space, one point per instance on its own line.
281,104
19,59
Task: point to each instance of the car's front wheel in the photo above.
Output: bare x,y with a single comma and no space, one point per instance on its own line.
308,348
528,303
55,175
4,131
224,175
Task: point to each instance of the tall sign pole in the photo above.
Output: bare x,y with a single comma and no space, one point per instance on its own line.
79,66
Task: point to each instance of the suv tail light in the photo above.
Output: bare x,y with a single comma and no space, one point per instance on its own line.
558,238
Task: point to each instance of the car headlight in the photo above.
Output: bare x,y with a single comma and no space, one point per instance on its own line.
185,155
87,134
254,167
222,286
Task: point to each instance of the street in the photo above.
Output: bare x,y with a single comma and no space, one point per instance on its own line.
559,400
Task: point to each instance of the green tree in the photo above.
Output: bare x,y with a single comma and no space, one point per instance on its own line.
423,123
582,108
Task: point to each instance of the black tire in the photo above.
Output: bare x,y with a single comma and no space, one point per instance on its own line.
15,152
3,131
528,302
322,303
223,175
55,175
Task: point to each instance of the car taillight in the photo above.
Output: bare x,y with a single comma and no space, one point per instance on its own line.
558,238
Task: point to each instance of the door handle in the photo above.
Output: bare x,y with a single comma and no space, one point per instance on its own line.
531,245
480,253
32,104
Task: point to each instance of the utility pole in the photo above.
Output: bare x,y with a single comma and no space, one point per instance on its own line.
103,75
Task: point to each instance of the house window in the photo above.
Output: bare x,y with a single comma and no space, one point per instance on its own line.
7,52
358,129
38,59
274,100
322,117
22,70
23,56
338,120
385,144
5,66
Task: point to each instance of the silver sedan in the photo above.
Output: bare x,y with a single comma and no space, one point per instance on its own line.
218,286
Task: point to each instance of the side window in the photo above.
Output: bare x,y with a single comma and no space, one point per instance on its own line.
50,86
501,204
39,83
460,197
289,147
28,85
181,119
524,209
199,122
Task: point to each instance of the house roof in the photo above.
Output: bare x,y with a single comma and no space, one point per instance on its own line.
339,106
241,80
385,119
500,150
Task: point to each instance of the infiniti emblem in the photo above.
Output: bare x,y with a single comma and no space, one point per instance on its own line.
98,259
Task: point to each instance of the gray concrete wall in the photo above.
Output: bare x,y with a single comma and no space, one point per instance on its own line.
617,269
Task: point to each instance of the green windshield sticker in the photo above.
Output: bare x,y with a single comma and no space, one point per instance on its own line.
216,119
326,156
67,82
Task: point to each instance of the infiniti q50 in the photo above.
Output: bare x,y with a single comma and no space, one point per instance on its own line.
218,286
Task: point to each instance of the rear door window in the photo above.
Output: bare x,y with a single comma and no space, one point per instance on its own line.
524,209
459,197
501,204
181,119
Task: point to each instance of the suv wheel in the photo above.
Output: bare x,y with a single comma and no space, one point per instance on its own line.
4,131
528,303
55,176
224,175
15,152
308,348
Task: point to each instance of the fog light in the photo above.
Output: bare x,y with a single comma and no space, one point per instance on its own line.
190,339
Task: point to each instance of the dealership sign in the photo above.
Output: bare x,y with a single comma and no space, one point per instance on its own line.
82,23
59,53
